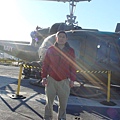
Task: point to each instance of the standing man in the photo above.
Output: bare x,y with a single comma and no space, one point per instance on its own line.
58,75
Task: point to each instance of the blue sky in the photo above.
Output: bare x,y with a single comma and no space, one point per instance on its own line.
20,17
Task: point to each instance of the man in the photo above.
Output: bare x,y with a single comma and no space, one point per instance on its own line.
58,75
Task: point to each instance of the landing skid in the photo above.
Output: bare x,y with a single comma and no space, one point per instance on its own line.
85,90
80,90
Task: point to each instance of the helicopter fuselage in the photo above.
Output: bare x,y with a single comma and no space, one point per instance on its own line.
96,54
95,51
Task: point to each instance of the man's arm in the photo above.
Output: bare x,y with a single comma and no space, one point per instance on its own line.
45,65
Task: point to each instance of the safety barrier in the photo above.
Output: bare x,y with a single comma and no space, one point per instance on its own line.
92,72
17,95
107,102
29,66
11,62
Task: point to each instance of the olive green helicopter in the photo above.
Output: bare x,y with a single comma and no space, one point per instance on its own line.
97,52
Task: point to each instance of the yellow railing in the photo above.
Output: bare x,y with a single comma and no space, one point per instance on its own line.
109,80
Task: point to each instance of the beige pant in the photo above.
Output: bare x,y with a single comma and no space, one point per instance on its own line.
62,90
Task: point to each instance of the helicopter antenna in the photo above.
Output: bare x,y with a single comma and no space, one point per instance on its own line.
71,18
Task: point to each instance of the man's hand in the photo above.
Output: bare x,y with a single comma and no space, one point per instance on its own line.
44,81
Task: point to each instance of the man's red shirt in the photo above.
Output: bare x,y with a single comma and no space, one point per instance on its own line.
59,64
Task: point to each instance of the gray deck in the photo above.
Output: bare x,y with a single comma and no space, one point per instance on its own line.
32,106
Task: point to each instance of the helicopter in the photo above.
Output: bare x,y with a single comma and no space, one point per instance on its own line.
94,50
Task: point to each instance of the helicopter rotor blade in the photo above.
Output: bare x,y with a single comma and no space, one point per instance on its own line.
66,0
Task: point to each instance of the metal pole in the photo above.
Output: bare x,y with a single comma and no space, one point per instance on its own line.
19,80
108,89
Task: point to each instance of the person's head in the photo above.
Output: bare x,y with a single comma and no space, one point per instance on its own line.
61,37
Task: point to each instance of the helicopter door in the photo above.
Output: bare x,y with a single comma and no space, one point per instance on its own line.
75,44
102,52
90,51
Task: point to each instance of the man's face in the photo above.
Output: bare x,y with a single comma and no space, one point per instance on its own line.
61,38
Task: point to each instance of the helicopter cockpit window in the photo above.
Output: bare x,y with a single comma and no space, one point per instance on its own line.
102,48
48,42
75,44
45,45
108,52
